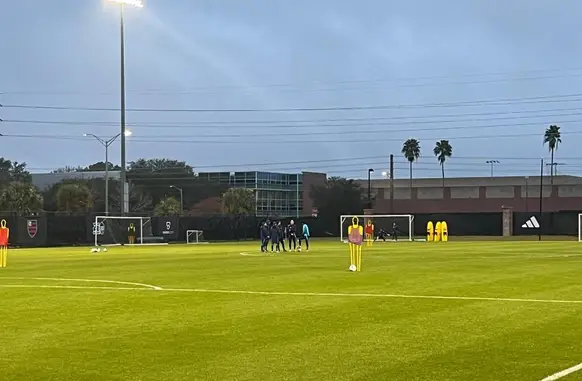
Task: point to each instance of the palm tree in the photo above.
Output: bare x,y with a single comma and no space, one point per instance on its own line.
411,151
552,137
442,151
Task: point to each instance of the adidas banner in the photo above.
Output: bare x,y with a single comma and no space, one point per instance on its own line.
531,223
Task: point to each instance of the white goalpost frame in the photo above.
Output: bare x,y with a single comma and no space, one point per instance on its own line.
196,233
580,227
142,220
362,217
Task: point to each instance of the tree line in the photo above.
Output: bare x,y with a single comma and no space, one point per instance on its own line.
153,188
154,184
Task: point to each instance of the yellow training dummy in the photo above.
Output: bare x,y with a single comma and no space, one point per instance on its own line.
355,240
437,231
444,231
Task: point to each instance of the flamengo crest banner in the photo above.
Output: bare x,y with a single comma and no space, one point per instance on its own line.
32,228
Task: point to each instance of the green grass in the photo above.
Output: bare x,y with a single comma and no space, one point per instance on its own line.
98,334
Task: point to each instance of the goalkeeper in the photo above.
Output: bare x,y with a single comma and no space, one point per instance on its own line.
382,234
395,231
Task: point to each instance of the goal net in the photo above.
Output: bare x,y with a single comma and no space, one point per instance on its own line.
114,230
194,236
389,227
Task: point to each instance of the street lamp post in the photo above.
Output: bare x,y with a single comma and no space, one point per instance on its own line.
370,171
123,179
181,198
106,144
492,163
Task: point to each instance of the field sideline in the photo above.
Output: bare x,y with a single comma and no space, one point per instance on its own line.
418,311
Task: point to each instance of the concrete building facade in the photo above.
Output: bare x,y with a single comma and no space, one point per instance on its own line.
475,194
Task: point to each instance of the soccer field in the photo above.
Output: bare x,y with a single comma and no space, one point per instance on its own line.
417,311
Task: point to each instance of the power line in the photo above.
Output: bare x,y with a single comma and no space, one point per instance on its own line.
160,139
332,133
225,124
326,126
493,102
305,86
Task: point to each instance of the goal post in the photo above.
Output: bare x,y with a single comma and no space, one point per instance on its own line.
113,230
402,223
194,236
580,227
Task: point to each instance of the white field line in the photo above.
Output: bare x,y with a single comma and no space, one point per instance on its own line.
280,293
89,281
75,287
564,373
252,255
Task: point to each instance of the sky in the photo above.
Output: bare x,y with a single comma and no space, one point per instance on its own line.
317,85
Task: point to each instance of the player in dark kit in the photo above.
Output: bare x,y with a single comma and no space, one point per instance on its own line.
395,231
274,237
382,234
292,235
281,235
264,237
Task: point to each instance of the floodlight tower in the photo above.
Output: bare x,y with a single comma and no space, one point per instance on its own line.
123,177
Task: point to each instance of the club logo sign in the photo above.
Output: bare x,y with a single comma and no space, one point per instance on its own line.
98,228
168,230
32,228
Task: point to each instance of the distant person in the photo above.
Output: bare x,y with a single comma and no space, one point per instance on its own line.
281,235
395,231
292,235
382,234
304,237
264,237
274,238
131,234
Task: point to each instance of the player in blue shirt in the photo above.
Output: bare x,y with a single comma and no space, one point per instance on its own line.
304,236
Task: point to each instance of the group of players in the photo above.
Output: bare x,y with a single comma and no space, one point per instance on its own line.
275,233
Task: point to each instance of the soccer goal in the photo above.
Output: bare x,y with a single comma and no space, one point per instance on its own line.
113,230
194,236
395,226
580,227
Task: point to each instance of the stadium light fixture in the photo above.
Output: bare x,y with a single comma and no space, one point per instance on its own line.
133,3
492,163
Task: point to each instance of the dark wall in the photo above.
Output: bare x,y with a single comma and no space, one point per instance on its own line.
63,230
477,224
563,223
